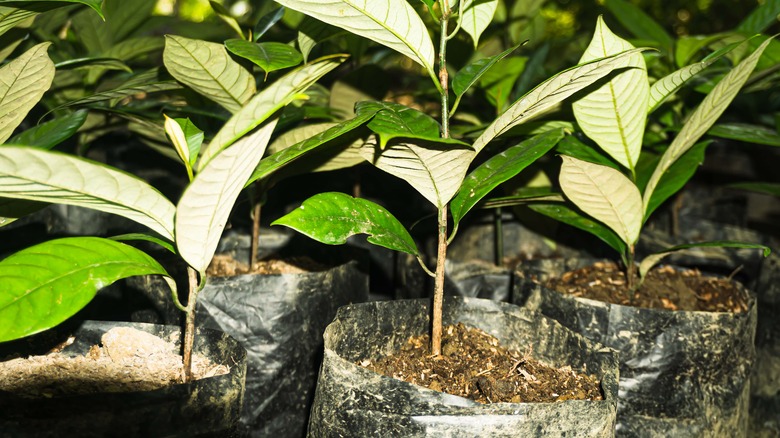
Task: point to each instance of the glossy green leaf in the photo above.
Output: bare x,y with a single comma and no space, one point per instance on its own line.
653,259
266,22
46,284
704,116
395,120
225,16
332,217
639,23
392,23
470,74
48,176
265,103
573,147
566,214
679,173
46,5
209,70
746,133
347,156
614,115
498,169
205,206
186,139
268,56
285,156
22,84
49,134
605,194
476,16
435,169
135,237
551,92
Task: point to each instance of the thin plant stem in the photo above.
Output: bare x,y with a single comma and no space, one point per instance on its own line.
256,210
189,324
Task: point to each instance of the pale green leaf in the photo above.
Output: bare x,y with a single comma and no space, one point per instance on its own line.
205,206
332,217
704,116
47,176
209,70
392,23
177,137
48,283
265,103
477,15
614,114
605,194
551,92
22,84
436,170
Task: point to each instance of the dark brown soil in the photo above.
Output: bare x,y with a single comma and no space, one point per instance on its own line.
225,266
473,365
663,288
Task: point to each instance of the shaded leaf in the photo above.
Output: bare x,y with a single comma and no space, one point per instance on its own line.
209,70
746,132
566,214
225,16
48,176
758,187
640,24
677,176
268,56
498,169
332,217
761,18
266,22
395,120
470,74
46,284
50,134
653,259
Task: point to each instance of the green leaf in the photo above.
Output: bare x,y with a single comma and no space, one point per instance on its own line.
498,83
573,147
48,176
677,176
394,120
225,16
268,56
93,62
13,17
46,284
640,24
332,217
761,18
524,195
434,168
689,46
651,260
265,103
50,134
705,115
13,209
605,194
311,32
209,70
614,114
564,213
47,5
122,92
134,237
476,16
470,74
498,169
266,22
549,93
746,133
280,159
758,187
347,156
22,84
186,139
203,209
392,23
126,51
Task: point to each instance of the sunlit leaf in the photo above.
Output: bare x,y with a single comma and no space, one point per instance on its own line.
550,93
605,194
203,209
705,115
332,217
614,114
477,15
48,283
22,84
498,169
47,176
209,70
265,103
392,23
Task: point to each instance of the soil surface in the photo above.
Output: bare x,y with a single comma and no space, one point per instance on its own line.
475,366
663,288
225,266
127,360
